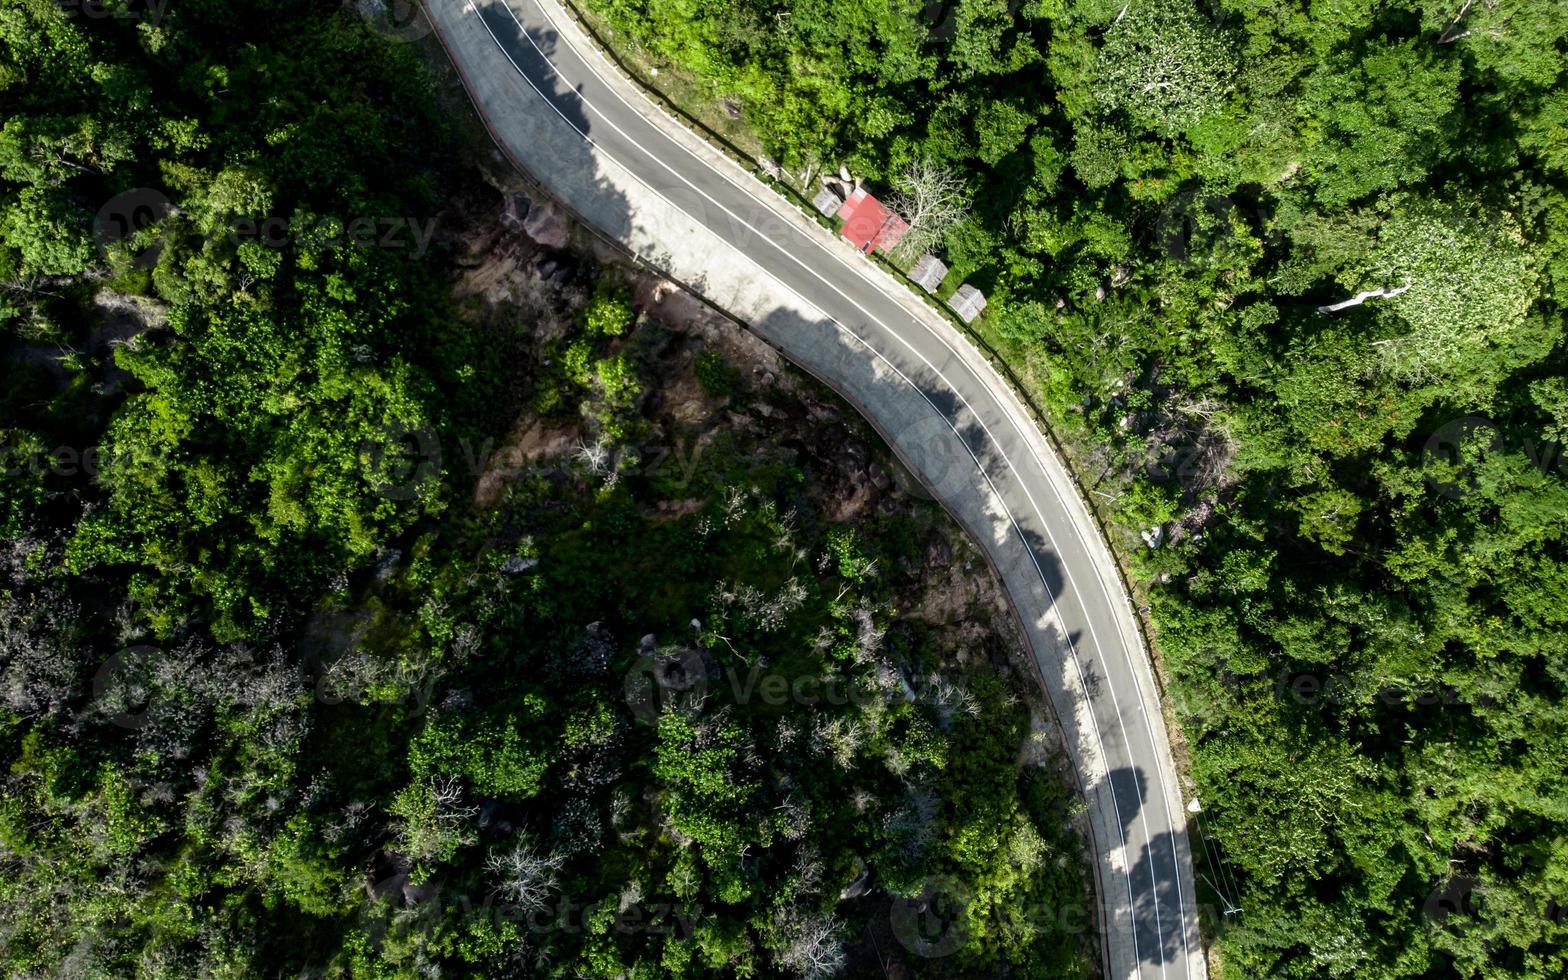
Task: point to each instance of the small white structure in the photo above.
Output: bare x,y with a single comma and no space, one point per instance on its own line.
828,200
928,272
968,302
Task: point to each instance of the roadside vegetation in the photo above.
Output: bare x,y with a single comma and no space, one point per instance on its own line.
1288,276
358,620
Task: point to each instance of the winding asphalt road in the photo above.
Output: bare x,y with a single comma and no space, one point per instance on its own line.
560,111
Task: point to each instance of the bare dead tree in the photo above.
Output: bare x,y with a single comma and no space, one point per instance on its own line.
951,698
1452,32
528,878
840,738
814,949
1205,408
595,455
932,199
1361,297
447,801
868,635
808,870
794,820
862,798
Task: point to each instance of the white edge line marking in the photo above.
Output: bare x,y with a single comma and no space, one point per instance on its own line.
898,300
1002,452
935,335
1132,913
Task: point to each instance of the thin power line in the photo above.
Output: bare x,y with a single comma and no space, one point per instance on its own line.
1211,849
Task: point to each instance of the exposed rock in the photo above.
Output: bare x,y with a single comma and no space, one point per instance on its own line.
517,565
515,214
856,888
386,564
846,506
459,700
385,887
544,226
533,442
590,656
419,894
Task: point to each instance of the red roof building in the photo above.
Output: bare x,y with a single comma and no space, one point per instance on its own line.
869,225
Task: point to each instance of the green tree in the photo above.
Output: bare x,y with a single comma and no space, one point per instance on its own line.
1468,279
610,312
1164,65
1381,118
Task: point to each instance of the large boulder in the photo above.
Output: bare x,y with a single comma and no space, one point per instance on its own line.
545,226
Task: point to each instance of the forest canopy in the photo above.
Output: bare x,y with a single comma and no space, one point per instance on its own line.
1288,277
308,667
